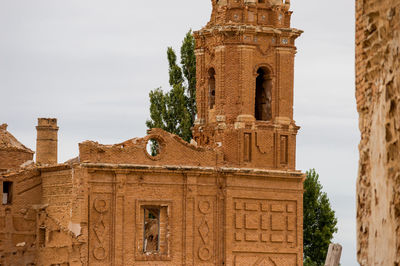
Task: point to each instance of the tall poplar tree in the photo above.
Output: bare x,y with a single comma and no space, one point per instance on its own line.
319,221
175,110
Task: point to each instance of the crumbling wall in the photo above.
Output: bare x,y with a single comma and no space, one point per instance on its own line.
12,153
172,151
57,193
12,159
378,104
18,218
62,220
57,245
41,222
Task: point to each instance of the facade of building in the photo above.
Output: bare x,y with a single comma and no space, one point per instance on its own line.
231,197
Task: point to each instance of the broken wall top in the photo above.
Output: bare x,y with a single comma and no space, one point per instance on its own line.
274,13
172,151
9,142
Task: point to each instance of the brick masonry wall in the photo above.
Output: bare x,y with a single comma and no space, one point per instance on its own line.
377,94
18,219
12,159
241,39
208,217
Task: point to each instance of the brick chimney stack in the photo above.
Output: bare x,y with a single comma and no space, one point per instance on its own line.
47,141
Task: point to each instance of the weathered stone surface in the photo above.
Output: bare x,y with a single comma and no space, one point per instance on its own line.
334,254
378,104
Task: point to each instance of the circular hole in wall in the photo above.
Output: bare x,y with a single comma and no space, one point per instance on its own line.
153,147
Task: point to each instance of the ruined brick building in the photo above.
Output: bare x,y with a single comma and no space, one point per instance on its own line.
378,104
231,197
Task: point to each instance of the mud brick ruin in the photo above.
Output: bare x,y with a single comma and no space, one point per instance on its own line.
378,104
230,197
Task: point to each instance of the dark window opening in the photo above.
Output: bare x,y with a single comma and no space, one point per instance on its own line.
42,237
211,88
261,1
263,109
151,229
7,193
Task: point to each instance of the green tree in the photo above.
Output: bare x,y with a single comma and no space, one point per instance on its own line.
175,110
319,221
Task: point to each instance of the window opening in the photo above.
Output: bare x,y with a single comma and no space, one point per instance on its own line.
263,110
211,87
153,147
42,237
7,193
151,229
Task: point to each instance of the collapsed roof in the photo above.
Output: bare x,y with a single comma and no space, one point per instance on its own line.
9,142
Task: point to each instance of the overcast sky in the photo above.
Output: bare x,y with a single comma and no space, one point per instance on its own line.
92,63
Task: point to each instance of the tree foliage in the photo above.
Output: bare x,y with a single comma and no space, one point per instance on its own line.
319,221
175,110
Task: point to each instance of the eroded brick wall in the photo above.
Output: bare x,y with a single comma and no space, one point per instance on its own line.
377,93
18,218
46,142
246,55
207,217
11,159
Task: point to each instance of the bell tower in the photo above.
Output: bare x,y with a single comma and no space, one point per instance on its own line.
245,70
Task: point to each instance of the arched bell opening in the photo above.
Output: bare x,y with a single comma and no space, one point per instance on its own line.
263,101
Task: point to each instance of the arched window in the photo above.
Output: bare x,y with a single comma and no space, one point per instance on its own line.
263,110
211,88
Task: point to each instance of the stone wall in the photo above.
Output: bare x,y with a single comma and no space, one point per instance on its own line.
12,159
378,95
18,218
207,216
